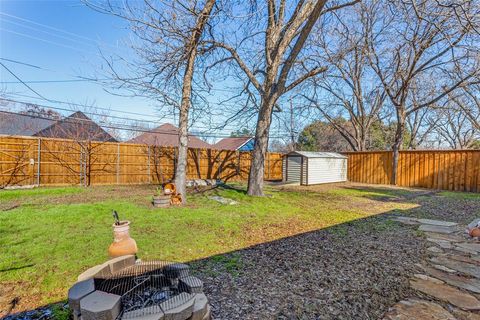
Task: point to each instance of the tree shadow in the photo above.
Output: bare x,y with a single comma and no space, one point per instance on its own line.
352,270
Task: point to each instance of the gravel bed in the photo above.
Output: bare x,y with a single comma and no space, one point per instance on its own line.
354,271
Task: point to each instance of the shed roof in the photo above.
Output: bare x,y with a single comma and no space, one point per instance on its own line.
310,154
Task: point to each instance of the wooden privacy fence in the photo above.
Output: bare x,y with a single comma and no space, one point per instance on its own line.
46,161
456,170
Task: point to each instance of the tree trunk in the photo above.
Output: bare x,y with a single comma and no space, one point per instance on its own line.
257,168
181,167
397,145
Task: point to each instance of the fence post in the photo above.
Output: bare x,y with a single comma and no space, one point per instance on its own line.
148,167
118,163
39,150
268,166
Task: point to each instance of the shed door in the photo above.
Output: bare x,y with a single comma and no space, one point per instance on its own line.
294,164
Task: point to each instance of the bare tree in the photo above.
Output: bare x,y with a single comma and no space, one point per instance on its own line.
468,102
456,129
269,56
411,41
169,36
349,90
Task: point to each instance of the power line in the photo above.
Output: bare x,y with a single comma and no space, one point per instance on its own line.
53,28
23,63
54,81
97,114
86,106
117,127
44,40
51,33
26,85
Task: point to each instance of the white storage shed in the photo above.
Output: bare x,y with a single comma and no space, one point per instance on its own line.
309,168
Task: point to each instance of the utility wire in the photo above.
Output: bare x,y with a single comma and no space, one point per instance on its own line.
26,85
73,120
44,40
101,115
53,28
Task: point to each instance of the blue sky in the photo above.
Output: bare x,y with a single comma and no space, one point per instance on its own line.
25,37
63,38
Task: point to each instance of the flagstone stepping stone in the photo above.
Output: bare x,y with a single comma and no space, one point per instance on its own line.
406,220
442,243
463,315
434,249
438,229
446,237
425,277
418,309
446,293
443,268
438,222
469,246
457,257
470,284
463,267
474,223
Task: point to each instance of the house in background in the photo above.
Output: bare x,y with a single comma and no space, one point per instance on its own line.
77,126
14,124
235,144
167,135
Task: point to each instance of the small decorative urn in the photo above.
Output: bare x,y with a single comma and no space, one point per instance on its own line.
122,243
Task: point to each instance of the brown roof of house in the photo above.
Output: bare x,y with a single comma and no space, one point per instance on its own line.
21,124
231,143
167,135
77,126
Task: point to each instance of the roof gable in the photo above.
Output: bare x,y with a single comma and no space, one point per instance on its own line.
232,143
77,126
16,124
167,135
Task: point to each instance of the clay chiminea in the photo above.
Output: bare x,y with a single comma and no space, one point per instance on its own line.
122,243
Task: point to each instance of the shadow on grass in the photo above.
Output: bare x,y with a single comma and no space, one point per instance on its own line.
359,267
353,270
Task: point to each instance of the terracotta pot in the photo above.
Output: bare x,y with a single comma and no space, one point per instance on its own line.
122,243
474,232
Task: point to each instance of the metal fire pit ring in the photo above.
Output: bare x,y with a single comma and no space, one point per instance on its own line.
123,288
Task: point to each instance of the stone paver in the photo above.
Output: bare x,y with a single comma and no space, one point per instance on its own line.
434,249
448,237
437,229
473,248
443,268
418,309
469,284
406,220
466,268
446,293
438,223
450,274
463,315
441,243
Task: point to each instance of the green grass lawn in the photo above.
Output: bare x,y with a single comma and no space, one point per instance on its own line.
51,235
